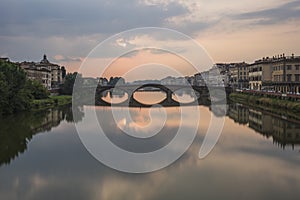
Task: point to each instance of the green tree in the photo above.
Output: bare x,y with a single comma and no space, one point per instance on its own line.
16,91
4,89
14,96
38,91
67,87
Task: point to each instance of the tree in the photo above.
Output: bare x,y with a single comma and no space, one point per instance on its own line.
14,96
67,87
38,91
16,91
116,80
3,92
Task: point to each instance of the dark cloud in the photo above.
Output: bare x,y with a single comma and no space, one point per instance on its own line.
276,15
71,17
30,28
67,59
193,28
30,48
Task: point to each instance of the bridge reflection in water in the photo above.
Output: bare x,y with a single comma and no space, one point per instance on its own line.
127,95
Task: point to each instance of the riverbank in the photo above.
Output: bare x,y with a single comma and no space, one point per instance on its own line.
51,102
266,103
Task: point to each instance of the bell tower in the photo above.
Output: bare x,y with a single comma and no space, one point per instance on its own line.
44,61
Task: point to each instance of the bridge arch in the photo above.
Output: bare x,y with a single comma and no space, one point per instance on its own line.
203,97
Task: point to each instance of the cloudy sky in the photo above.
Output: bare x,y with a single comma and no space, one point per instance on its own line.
229,30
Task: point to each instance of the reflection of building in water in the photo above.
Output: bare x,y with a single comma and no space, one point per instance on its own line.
16,132
285,133
260,122
238,113
52,119
14,138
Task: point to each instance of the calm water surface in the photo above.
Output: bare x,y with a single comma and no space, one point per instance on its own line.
256,157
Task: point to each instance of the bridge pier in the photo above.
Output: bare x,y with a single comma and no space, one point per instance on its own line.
169,96
204,94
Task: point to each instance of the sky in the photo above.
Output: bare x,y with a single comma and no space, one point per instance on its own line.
67,31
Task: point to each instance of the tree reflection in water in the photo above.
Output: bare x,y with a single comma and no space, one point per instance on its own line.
17,130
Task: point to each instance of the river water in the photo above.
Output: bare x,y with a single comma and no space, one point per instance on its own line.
256,157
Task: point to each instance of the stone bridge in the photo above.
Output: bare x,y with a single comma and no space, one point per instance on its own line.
205,95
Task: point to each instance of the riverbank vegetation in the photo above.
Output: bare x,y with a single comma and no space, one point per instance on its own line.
267,103
67,87
17,93
52,101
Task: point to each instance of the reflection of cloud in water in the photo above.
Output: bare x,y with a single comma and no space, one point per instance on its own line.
144,123
242,165
220,175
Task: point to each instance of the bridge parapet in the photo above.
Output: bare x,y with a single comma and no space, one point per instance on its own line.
203,98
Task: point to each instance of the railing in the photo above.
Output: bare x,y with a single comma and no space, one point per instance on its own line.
272,94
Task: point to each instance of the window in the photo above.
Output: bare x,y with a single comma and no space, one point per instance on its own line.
297,77
289,77
297,67
289,67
